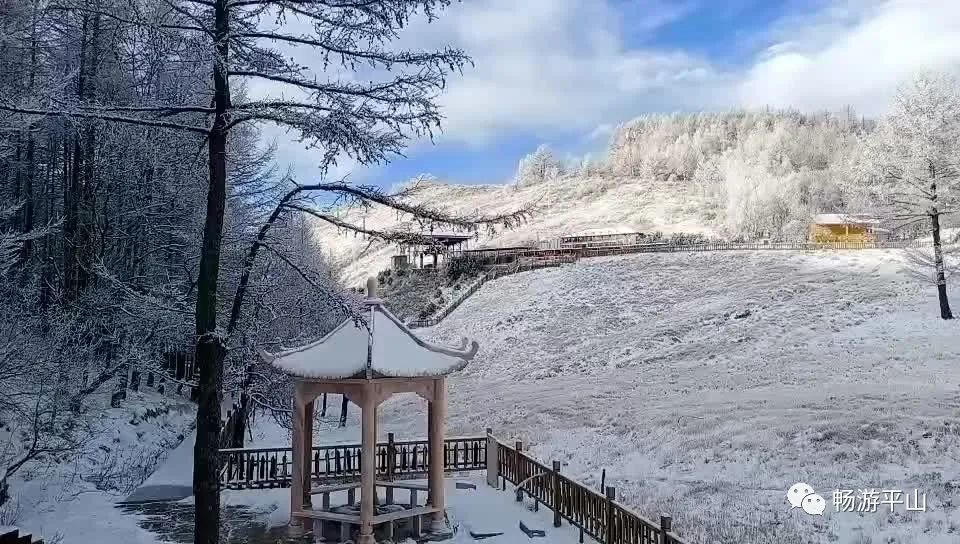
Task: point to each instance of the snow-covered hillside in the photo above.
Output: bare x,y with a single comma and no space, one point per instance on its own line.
707,384
738,173
563,206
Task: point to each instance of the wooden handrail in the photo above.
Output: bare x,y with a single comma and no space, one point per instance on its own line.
568,252
271,467
598,515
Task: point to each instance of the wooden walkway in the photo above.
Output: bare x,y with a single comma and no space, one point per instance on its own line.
509,261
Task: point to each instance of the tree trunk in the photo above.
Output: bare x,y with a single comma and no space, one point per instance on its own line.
211,348
87,205
28,186
945,312
71,192
28,181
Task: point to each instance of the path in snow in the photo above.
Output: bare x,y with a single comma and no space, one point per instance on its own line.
77,498
173,479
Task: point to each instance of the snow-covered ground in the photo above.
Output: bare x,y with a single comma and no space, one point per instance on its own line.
482,510
76,497
707,384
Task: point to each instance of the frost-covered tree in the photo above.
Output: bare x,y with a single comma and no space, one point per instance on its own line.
538,167
759,173
912,164
333,79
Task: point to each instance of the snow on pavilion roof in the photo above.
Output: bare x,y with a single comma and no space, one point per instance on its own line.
387,349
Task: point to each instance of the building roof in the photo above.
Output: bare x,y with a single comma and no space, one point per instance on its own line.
843,219
381,347
447,239
493,249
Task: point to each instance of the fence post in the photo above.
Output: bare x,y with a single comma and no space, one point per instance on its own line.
391,457
493,468
608,517
517,471
391,466
557,496
666,523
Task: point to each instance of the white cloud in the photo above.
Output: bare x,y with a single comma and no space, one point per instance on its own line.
553,68
853,52
543,66
601,131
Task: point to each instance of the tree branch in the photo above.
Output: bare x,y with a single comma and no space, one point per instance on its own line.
103,117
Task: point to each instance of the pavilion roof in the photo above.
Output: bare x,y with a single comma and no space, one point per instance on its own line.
381,347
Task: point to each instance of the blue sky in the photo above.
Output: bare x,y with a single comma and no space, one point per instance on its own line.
566,72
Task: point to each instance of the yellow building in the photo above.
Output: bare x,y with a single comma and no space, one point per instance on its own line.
832,227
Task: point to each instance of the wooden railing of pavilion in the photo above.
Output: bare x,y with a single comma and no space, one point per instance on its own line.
244,468
598,515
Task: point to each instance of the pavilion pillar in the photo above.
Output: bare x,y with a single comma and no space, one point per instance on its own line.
307,451
297,468
437,432
430,439
368,465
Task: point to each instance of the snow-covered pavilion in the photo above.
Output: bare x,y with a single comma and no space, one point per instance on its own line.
369,362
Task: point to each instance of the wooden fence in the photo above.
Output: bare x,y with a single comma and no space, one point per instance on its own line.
512,260
667,247
245,468
180,365
543,259
436,318
598,515
232,428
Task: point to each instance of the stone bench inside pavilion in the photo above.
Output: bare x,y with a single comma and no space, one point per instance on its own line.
368,361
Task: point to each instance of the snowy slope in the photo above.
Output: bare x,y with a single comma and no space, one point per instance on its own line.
76,497
571,205
707,384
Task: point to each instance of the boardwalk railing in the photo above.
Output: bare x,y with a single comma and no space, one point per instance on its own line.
232,428
511,261
438,317
536,260
667,247
245,468
598,515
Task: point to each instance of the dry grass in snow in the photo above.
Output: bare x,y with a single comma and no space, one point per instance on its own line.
707,384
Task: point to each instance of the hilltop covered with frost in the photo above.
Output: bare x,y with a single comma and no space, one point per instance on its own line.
725,174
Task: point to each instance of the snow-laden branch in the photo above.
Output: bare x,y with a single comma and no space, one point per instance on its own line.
102,116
